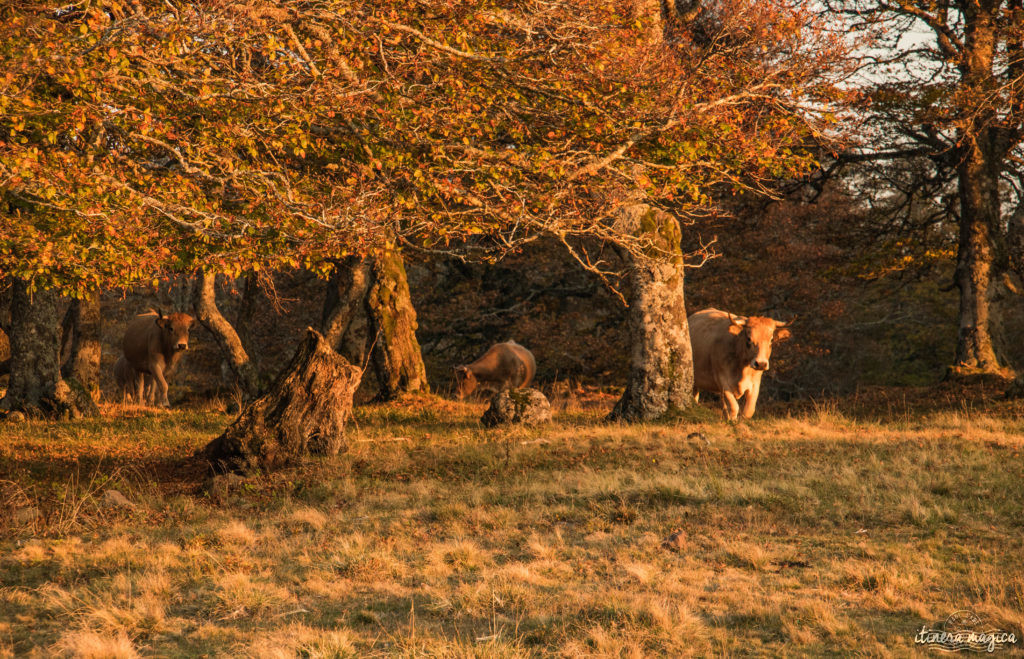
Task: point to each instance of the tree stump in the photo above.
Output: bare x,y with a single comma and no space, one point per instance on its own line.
303,413
526,406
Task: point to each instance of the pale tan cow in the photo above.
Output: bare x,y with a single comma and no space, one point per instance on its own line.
504,366
152,345
730,354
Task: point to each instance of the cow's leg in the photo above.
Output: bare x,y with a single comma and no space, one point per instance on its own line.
147,391
732,407
140,387
157,372
750,400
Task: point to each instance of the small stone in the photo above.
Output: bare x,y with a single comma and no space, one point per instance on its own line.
698,436
526,406
219,487
675,541
114,499
15,417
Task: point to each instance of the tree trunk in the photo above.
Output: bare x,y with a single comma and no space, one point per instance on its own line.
368,311
5,326
661,362
396,355
343,321
978,183
1015,253
36,386
83,362
246,317
978,188
204,301
303,413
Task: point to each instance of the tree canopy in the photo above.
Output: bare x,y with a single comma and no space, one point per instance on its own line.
142,137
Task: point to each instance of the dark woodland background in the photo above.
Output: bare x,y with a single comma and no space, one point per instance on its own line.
873,307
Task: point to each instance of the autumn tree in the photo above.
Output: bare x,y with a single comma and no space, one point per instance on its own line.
168,136
943,87
137,142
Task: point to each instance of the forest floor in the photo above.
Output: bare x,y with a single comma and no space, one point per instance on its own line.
814,529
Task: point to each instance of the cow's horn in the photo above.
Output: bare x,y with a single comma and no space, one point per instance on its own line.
739,321
779,323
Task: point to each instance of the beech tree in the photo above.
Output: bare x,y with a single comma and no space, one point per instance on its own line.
369,318
943,84
162,136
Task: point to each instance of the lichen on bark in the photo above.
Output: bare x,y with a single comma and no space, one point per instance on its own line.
661,362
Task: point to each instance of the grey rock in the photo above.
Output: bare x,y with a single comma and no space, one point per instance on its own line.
114,499
220,487
526,406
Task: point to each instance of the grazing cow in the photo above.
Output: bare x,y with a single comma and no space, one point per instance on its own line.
504,366
730,354
152,345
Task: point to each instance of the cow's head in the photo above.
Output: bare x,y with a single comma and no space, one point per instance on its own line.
754,337
465,382
174,330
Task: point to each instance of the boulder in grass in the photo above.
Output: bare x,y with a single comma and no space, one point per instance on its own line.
114,499
676,541
526,406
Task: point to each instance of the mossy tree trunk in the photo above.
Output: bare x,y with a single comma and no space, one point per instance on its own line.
661,362
36,386
83,361
368,311
396,355
204,301
303,413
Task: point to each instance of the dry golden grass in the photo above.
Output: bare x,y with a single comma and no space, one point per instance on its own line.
813,532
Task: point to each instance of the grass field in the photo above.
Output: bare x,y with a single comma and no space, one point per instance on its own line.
832,530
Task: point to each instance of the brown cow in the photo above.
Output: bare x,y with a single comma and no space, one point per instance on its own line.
504,366
730,354
152,345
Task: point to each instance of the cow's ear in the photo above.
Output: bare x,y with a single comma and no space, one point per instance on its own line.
735,329
782,334
161,321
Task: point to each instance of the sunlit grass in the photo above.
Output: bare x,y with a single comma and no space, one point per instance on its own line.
814,532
